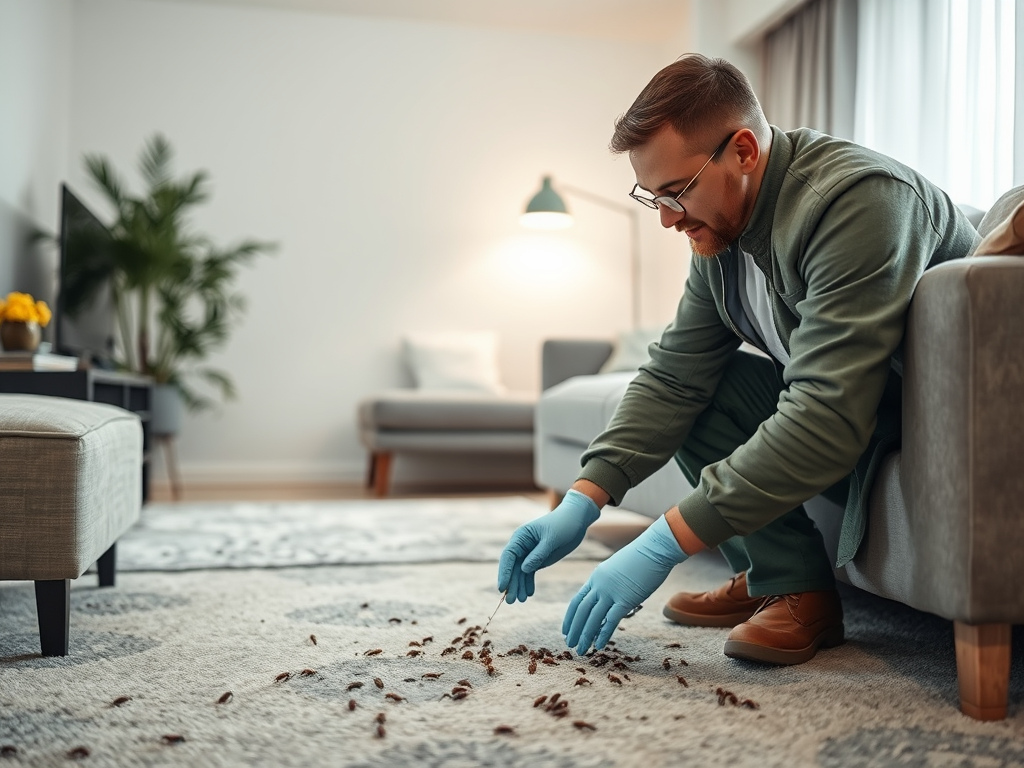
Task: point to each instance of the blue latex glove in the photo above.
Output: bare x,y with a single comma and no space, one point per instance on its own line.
543,542
620,584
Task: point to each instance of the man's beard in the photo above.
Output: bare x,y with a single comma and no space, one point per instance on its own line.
721,233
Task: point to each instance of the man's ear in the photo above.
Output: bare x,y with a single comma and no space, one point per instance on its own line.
747,149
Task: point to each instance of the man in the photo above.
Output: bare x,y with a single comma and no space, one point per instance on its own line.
808,248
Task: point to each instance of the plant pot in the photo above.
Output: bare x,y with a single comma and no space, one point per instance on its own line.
166,410
20,336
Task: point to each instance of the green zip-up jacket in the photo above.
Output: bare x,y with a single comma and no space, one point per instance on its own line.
842,235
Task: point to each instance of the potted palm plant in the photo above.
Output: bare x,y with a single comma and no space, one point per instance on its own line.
172,288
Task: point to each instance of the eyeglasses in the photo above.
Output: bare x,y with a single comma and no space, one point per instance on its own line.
672,201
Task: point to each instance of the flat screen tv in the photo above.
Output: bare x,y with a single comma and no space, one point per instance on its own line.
85,314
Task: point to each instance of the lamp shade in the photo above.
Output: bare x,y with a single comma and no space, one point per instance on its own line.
546,209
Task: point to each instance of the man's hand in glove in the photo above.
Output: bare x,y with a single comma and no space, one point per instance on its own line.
543,542
620,584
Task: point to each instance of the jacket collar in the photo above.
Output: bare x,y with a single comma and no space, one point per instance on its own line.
756,238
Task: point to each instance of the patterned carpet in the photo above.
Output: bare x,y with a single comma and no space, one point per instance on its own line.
168,646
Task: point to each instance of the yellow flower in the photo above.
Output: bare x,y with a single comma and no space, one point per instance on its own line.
22,308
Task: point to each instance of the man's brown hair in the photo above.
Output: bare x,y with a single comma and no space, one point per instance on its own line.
700,97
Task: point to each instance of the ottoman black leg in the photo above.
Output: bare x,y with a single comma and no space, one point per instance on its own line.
53,606
107,566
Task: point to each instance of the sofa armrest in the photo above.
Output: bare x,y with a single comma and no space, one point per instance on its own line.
963,434
562,359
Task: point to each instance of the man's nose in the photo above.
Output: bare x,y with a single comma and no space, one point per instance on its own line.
670,218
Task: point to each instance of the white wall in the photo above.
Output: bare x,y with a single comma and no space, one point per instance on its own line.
390,160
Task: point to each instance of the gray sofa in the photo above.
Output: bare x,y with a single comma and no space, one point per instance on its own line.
945,530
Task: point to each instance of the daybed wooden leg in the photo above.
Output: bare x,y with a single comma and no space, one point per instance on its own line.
554,497
53,607
107,566
983,668
381,474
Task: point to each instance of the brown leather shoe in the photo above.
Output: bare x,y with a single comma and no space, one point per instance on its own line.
789,629
726,606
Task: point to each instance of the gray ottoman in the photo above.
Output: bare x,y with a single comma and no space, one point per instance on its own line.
70,485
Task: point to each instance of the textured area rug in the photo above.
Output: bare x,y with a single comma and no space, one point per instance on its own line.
181,537
349,666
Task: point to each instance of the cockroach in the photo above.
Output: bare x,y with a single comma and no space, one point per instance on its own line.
615,678
468,642
408,679
487,644
461,621
307,673
678,717
581,670
554,700
539,700
78,753
394,697
381,732
432,675
620,665
749,704
378,682
414,622
225,697
414,652
459,689
682,681
394,620
351,686
514,652
549,661
460,695
449,649
373,652
673,645
172,738
381,718
567,655
505,730
365,605
428,639
312,639
491,670
626,677
724,696
667,663
583,725
351,705
466,683
415,644
468,655
8,750
532,668
282,677
582,681
120,700
682,663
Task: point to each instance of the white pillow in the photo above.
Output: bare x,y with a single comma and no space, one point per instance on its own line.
454,360
630,350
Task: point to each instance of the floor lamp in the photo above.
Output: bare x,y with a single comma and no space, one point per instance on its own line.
547,210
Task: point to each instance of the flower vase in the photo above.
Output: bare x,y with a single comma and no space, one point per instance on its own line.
17,336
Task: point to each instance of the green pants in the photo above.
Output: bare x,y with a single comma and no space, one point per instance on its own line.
788,554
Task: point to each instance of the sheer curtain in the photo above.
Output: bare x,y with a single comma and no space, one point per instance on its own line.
936,90
810,63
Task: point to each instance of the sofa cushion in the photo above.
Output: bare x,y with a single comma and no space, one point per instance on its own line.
443,411
578,409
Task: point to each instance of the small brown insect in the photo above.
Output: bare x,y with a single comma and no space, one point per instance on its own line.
682,681
667,663
583,725
351,686
351,705
549,661
120,700
615,678
682,662
539,700
307,673
726,696
381,732
374,652
415,643
461,621
620,665
459,689
378,682
581,670
626,677
394,620
460,695
432,675
505,730
78,753
225,697
466,683
365,605
282,677
394,697
673,645
172,738
428,639
532,668
750,704
381,718
408,679
582,681
449,649
312,639
414,652
8,750
467,655
554,700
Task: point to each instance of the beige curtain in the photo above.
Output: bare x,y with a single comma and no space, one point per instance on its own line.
810,68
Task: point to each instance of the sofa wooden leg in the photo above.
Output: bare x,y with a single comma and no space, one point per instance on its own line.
381,474
107,566
983,668
554,498
53,607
